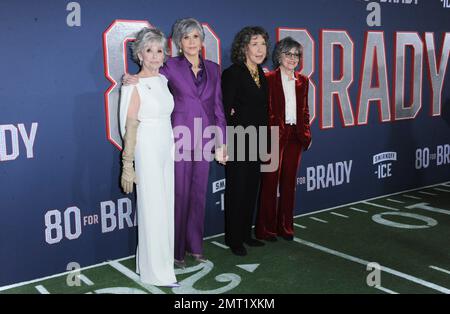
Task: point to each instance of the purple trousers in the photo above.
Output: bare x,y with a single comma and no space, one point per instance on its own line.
191,180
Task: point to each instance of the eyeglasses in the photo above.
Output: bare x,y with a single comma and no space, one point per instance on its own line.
292,55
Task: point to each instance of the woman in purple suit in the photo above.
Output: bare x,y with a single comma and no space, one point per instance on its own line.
196,87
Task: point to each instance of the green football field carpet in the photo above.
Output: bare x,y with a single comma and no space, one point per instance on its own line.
390,244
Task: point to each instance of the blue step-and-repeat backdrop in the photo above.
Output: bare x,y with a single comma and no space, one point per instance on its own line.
379,102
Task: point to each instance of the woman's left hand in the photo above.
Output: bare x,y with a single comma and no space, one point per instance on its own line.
221,155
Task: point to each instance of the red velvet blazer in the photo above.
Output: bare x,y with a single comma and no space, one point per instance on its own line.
277,106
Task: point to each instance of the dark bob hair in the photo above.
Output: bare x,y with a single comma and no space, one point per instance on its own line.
283,46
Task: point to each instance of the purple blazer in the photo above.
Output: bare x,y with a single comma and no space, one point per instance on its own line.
189,103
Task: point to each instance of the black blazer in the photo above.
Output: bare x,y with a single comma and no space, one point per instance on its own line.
240,92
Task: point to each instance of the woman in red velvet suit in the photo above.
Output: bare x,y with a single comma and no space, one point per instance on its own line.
288,110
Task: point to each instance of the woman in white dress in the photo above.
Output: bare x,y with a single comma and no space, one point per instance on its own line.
145,125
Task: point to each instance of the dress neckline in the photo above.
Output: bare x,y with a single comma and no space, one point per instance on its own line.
149,77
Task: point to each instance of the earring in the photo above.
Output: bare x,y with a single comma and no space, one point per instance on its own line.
181,51
140,62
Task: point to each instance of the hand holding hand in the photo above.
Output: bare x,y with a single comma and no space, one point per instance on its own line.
221,155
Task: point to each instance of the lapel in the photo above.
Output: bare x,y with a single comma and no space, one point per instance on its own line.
194,88
299,96
185,66
250,79
263,81
280,95
208,75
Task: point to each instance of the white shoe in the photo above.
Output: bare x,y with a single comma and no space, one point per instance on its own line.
172,285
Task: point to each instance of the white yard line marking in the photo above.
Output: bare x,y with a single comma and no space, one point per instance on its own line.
300,226
59,275
395,201
427,193
319,220
214,236
248,267
135,277
373,198
412,196
383,268
337,214
86,280
223,246
385,290
381,206
42,290
442,190
446,184
440,269
359,210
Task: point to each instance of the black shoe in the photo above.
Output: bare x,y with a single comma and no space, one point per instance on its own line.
288,237
239,250
254,242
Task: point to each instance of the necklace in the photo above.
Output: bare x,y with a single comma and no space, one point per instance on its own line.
255,75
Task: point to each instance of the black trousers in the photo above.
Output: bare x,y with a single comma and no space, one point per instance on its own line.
241,195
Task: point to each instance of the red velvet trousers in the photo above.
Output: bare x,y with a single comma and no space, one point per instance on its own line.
275,215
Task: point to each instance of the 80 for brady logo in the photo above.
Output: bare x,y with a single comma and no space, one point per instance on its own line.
69,223
10,136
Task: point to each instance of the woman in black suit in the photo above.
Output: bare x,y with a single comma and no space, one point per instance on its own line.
245,99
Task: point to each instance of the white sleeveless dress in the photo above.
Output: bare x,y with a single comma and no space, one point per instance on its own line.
154,164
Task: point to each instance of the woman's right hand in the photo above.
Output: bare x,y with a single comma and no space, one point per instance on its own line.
128,178
129,79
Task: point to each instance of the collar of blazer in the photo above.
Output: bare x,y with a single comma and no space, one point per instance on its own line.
186,66
262,75
299,79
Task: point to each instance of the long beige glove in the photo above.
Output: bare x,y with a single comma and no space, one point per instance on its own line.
129,141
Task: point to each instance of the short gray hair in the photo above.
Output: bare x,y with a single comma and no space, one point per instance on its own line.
185,26
146,36
283,46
